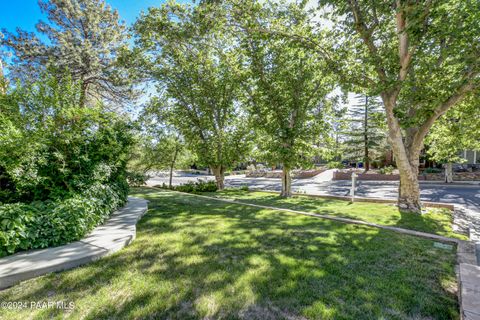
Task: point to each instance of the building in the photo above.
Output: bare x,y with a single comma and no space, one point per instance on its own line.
472,156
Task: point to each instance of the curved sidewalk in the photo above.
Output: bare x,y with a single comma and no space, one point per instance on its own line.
117,232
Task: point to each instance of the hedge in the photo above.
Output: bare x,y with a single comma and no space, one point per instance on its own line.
194,187
53,223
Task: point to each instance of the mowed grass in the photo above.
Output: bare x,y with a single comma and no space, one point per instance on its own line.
436,220
205,259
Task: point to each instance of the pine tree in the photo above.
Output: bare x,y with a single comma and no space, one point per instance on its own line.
85,37
365,134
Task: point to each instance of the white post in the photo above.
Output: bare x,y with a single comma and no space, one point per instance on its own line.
354,182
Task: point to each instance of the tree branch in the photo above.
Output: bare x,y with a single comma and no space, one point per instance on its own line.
443,107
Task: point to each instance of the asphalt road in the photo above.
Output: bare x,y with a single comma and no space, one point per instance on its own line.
467,195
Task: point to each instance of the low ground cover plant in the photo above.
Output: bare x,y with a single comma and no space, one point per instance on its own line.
194,187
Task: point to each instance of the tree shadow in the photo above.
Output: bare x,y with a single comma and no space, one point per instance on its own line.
196,258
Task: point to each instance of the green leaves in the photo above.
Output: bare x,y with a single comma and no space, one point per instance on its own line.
458,129
43,224
84,38
51,148
197,67
288,85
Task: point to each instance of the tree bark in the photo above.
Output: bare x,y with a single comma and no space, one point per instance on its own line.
449,172
219,172
286,183
409,192
83,94
407,153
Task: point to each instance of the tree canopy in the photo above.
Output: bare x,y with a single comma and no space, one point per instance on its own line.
287,86
84,40
197,71
420,57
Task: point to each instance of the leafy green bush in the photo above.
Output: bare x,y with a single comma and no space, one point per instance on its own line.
136,178
62,167
194,187
432,170
335,165
199,186
386,170
14,231
52,223
50,148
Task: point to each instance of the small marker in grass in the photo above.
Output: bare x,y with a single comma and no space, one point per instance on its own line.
443,246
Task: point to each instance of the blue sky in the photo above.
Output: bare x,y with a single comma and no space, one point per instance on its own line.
26,13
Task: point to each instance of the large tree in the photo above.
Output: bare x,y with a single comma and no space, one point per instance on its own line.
423,58
288,85
197,68
84,39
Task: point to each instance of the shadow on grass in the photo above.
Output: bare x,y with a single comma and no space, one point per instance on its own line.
195,258
437,221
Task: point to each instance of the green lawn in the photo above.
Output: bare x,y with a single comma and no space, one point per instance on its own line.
437,221
205,259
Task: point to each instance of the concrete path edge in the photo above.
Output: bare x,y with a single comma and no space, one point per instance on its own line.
116,233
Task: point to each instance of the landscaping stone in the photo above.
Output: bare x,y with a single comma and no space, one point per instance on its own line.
116,233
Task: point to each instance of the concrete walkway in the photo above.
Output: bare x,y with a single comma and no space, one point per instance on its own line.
116,233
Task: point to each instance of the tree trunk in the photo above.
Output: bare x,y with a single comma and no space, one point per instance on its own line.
449,172
218,172
286,183
409,192
172,165
170,177
83,94
407,155
366,158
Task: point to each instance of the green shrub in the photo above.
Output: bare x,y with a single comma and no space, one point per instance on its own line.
50,148
432,170
14,232
62,168
335,165
386,170
194,187
136,178
53,223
